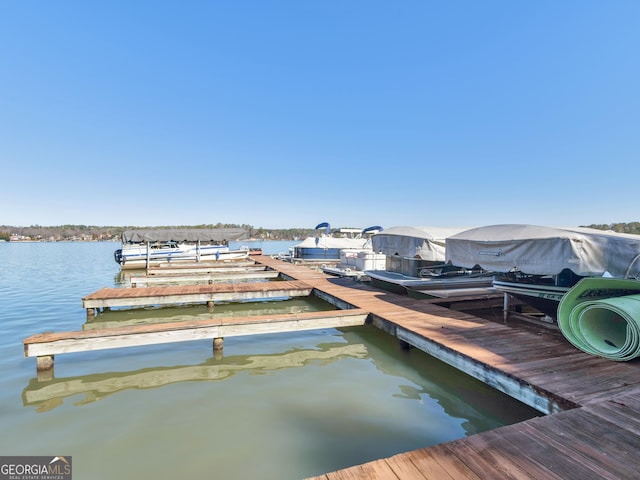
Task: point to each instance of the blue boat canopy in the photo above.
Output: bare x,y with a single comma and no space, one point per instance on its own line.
326,226
376,228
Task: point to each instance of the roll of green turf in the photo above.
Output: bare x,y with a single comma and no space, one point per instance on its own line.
601,316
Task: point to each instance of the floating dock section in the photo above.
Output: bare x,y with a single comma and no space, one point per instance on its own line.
209,294
44,346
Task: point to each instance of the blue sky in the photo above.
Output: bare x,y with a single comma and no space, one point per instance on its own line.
283,114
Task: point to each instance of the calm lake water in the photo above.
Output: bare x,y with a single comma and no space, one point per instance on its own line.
284,406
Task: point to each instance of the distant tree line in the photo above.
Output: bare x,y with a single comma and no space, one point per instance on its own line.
631,227
109,233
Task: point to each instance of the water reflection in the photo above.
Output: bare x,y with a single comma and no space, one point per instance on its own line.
423,376
46,394
439,390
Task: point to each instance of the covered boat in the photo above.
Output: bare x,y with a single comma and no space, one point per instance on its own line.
415,259
424,243
143,248
355,261
539,264
328,245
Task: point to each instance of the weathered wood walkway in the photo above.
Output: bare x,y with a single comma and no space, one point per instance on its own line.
593,426
171,295
45,345
593,430
203,268
156,280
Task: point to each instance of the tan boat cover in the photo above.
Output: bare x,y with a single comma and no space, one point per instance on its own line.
539,250
426,243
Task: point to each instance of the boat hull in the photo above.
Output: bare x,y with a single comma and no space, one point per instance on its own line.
135,257
544,298
450,288
415,286
304,253
353,263
388,281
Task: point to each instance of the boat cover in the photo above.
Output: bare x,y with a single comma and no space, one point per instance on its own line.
426,243
325,241
185,235
539,250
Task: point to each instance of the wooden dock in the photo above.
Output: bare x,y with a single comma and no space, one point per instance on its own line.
203,268
593,426
192,279
173,295
44,346
592,429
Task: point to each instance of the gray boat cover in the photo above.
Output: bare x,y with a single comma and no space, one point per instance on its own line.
426,243
185,235
539,250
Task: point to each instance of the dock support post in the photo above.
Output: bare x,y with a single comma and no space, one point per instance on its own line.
91,312
505,308
210,305
44,363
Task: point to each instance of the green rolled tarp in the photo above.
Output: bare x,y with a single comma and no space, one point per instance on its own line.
601,316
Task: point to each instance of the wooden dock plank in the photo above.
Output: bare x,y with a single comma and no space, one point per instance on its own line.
203,267
585,442
403,467
378,469
144,281
168,295
46,344
108,293
440,463
485,459
623,411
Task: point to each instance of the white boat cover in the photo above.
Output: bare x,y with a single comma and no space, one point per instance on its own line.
325,241
539,250
185,235
426,243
